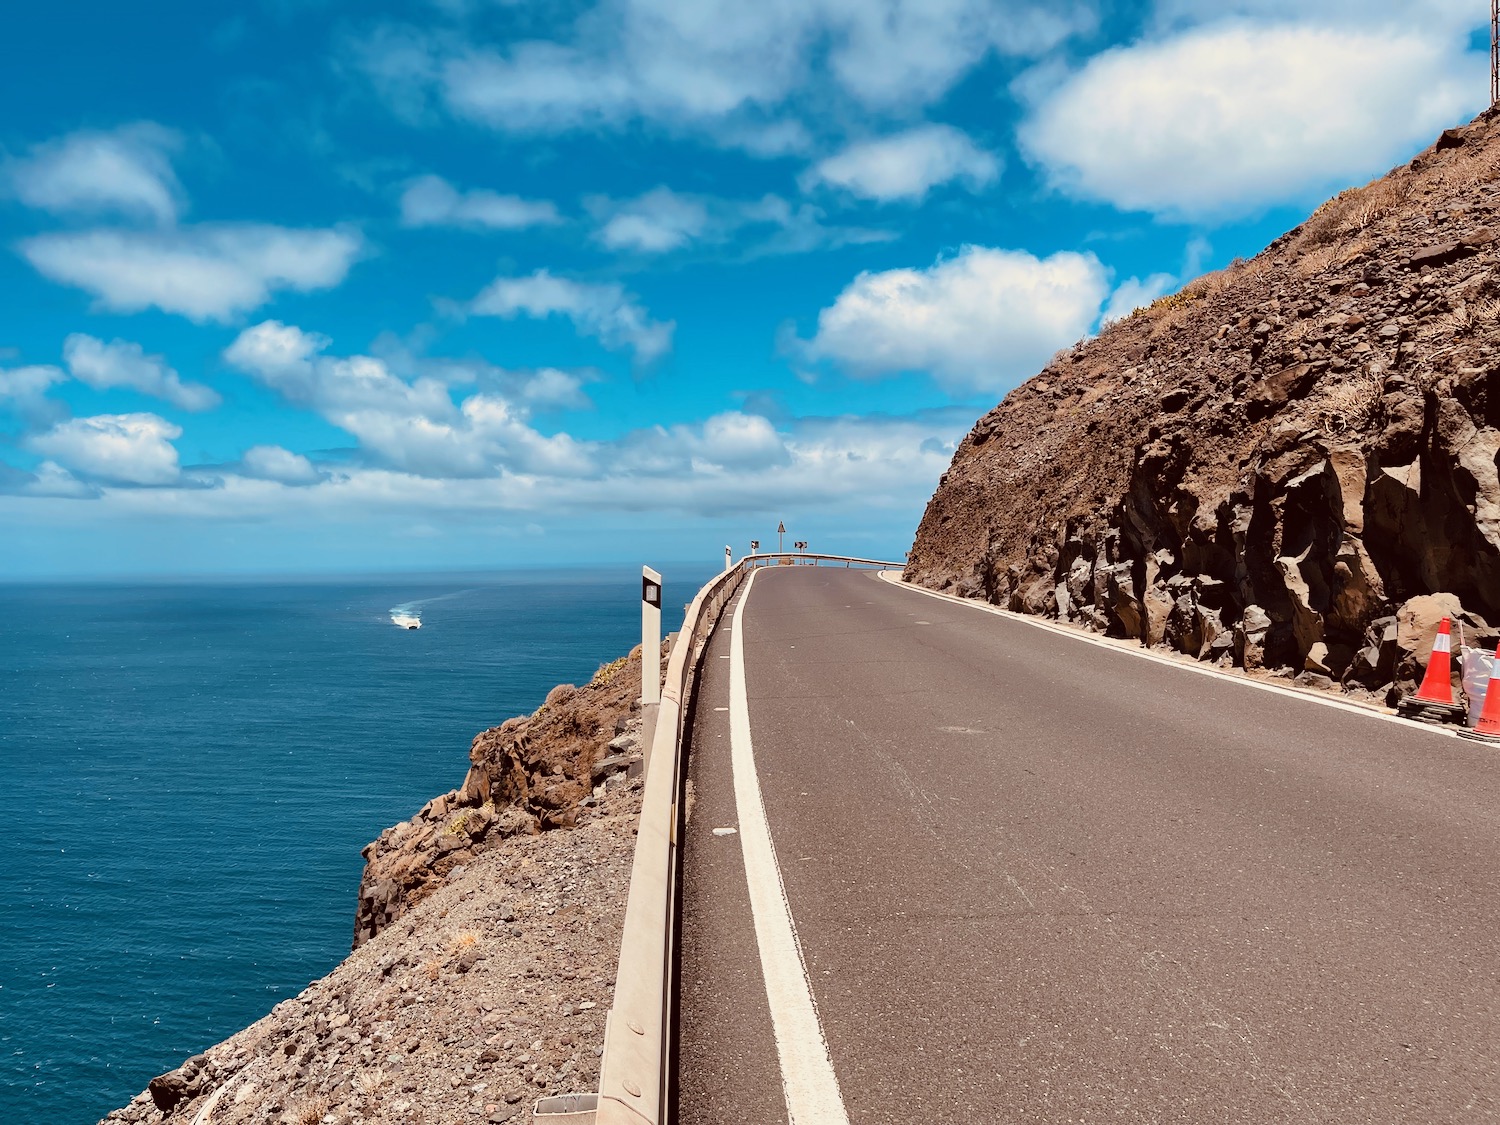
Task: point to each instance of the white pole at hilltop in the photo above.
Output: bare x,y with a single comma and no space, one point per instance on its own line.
1494,51
650,636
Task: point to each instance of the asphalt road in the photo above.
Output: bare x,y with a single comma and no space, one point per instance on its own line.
1034,879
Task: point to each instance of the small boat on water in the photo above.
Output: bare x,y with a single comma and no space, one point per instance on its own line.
406,620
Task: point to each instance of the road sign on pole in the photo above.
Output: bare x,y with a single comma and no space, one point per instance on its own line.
780,531
650,636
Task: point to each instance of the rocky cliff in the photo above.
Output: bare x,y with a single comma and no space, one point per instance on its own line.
492,989
531,773
1289,465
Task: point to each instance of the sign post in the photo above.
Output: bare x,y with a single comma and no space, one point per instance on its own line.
728,557
780,531
650,636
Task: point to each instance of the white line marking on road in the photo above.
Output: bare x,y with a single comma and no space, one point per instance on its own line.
807,1079
895,579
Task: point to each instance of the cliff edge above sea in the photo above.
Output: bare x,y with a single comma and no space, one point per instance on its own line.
1290,466
486,937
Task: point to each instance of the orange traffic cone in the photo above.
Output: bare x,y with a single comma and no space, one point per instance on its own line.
1433,702
1488,727
1437,683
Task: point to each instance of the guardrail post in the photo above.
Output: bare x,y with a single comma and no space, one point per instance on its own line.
650,636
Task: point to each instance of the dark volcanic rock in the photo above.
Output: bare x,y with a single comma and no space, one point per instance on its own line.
1265,468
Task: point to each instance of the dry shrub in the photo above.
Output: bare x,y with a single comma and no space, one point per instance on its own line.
1317,260
1465,168
1357,209
312,1111
369,1082
1353,404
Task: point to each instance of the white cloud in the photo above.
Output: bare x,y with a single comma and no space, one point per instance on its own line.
272,462
407,426
720,63
207,272
980,320
1229,119
655,222
23,392
731,465
604,311
124,364
664,220
1443,16
907,165
431,201
131,449
126,171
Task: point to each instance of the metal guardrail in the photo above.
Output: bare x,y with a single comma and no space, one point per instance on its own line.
800,557
635,1073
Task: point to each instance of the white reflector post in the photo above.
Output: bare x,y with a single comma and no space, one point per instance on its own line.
650,636
728,557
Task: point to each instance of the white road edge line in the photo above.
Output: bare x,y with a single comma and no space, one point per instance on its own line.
893,577
807,1079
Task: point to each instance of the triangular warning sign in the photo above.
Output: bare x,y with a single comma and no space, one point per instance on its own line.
781,529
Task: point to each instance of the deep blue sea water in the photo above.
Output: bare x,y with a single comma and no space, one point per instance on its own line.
188,772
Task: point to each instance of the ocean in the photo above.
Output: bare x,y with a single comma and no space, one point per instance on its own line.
189,770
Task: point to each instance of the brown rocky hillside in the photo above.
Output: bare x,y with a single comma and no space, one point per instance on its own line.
1291,464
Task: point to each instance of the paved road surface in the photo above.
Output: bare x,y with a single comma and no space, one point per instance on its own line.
1038,880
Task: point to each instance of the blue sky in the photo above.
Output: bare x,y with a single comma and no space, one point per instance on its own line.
306,285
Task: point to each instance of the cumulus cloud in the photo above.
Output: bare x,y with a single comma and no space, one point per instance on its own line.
411,426
1227,119
664,220
272,462
128,449
206,272
605,311
127,171
23,392
719,63
124,364
980,320
907,165
431,201
657,221
1434,15
732,464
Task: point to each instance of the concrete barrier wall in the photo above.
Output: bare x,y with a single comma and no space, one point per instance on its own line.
635,1072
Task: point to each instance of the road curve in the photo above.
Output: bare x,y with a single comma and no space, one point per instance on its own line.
1039,880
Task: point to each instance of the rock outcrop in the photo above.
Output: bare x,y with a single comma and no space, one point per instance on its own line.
1281,466
529,774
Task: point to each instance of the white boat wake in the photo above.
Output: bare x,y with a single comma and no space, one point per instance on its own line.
408,615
